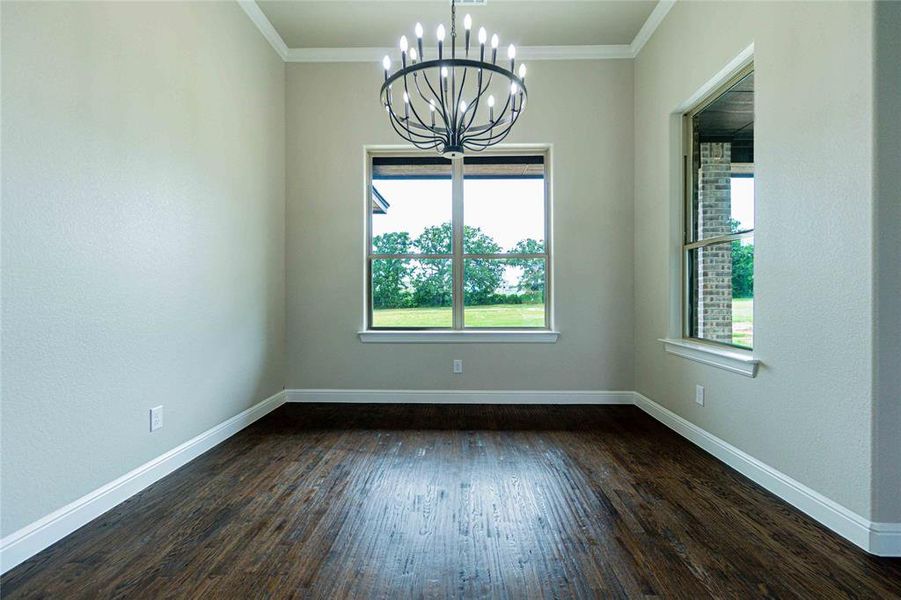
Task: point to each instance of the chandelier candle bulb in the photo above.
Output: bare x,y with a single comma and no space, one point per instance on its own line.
467,25
440,36
522,72
511,54
386,62
495,41
418,30
413,56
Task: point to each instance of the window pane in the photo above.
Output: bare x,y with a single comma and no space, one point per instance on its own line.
504,292
411,206
742,203
412,293
722,292
723,164
503,204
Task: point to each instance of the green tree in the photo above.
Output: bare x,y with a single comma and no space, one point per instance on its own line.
531,282
742,270
432,279
481,277
742,265
390,276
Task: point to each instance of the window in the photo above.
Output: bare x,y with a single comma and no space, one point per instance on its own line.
718,250
458,245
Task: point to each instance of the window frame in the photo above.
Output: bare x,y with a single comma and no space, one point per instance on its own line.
689,243
458,331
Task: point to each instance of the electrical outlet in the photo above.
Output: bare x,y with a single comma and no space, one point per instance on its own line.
156,418
699,395
458,366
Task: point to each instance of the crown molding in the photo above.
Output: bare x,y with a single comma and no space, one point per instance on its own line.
650,25
262,22
597,52
303,55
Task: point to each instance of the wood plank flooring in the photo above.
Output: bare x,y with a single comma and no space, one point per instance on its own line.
390,501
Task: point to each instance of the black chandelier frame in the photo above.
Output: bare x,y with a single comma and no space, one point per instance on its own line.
453,132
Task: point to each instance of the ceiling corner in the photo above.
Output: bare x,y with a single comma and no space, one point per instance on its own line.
265,26
650,25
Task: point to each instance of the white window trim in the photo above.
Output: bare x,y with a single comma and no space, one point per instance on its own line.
714,355
545,335
469,336
729,358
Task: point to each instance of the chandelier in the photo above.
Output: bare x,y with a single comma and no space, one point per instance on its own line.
448,103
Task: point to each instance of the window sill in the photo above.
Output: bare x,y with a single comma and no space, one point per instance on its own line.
458,337
733,360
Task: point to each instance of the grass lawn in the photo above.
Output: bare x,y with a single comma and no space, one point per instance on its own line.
497,315
742,323
530,315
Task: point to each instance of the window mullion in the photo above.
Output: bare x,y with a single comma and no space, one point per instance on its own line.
720,239
457,246
506,256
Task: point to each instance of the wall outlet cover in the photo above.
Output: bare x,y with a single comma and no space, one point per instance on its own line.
156,418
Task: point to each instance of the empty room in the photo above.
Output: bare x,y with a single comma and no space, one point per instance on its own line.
450,299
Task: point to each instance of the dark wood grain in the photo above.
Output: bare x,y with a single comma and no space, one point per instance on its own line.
390,501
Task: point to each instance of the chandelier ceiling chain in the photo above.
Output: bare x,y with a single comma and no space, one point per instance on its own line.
453,124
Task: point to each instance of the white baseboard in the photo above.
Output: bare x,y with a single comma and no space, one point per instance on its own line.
31,539
885,539
460,396
882,539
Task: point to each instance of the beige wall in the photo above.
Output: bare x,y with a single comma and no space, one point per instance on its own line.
808,413
887,418
142,240
333,110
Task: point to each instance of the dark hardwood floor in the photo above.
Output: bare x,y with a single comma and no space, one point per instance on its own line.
378,501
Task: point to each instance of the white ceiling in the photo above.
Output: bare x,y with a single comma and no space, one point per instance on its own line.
380,23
